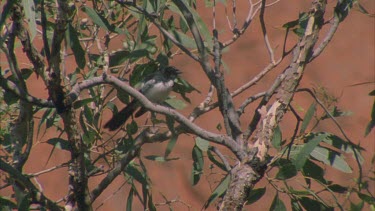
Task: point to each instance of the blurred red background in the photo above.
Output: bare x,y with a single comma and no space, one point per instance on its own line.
348,60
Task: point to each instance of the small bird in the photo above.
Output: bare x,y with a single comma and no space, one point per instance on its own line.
156,88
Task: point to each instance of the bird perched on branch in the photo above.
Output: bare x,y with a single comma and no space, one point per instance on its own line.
156,88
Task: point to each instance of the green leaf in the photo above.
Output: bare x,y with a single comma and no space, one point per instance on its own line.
183,8
182,87
277,204
255,195
7,9
277,138
368,199
369,127
338,188
219,190
336,112
47,116
59,143
356,207
198,163
202,144
332,158
22,199
4,201
291,24
141,72
26,73
176,103
311,204
132,128
345,146
184,39
286,171
371,124
307,148
79,103
119,57
29,8
75,45
298,192
133,172
310,169
308,116
129,201
295,205
98,19
171,145
10,98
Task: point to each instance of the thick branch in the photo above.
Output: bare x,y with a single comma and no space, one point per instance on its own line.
234,198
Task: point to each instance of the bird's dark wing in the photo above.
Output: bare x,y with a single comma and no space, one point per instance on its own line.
120,118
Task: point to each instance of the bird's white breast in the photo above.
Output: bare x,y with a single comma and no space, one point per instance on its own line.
159,91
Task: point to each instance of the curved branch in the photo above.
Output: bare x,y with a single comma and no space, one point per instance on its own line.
12,87
193,128
327,38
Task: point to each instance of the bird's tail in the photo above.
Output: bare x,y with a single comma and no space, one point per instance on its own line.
120,118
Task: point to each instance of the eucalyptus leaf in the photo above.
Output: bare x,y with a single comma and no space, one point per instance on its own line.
304,153
277,204
219,190
332,158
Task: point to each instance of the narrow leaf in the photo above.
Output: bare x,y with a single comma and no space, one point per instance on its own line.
277,204
307,149
96,18
219,190
277,138
170,145
59,143
202,144
332,158
286,171
75,45
255,195
129,201
198,163
308,116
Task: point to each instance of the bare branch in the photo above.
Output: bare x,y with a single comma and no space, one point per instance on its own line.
264,31
239,32
221,156
12,87
249,100
327,38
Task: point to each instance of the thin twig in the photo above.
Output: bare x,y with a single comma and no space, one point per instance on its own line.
264,31
221,156
249,100
48,170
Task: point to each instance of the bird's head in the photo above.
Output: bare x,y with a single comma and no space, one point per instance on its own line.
171,72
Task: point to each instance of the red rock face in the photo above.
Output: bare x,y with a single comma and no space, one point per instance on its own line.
348,60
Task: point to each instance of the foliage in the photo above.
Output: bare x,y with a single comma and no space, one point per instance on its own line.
152,34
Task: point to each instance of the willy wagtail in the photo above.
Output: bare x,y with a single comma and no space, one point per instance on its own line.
156,88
